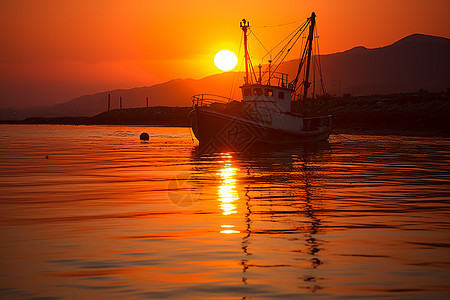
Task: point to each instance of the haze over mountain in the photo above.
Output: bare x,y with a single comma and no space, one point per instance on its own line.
415,62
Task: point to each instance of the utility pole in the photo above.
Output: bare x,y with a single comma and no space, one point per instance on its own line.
120,102
109,102
147,101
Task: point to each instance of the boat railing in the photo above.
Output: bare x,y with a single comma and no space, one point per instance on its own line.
207,99
281,79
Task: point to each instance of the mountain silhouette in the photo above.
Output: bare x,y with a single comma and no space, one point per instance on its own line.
177,92
415,62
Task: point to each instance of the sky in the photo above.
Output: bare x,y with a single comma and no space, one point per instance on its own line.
52,51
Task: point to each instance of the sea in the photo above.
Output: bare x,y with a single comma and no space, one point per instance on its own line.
93,212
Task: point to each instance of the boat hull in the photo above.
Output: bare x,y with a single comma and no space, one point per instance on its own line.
223,131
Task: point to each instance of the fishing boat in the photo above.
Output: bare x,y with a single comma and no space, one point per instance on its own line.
266,115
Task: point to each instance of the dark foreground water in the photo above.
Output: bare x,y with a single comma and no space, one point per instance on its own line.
90,212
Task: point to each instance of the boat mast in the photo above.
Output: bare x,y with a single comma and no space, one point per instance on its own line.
244,26
306,82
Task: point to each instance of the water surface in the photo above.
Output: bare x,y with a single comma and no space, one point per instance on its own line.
93,212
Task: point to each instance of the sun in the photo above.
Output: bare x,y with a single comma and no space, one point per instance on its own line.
225,60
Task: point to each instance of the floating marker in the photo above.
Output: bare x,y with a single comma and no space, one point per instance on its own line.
144,136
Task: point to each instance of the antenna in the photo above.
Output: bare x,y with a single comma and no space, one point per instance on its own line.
260,75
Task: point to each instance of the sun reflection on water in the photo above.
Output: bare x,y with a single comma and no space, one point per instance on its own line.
227,192
229,230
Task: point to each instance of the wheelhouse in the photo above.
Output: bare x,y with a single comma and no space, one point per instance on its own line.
277,93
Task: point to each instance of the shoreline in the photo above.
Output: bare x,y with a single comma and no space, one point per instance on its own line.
415,114
334,131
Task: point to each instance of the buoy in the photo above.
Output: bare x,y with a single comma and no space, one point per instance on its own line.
144,136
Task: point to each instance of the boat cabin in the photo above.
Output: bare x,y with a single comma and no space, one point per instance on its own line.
274,92
262,101
259,94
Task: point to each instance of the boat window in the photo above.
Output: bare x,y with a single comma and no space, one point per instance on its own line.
281,95
268,92
257,91
247,92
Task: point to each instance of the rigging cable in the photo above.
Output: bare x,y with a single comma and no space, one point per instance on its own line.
266,26
278,60
319,64
233,83
295,31
259,42
298,30
291,36
314,58
300,66
287,52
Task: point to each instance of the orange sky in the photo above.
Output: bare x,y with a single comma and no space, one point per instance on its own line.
52,50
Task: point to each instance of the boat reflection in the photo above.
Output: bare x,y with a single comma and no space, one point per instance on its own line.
276,196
